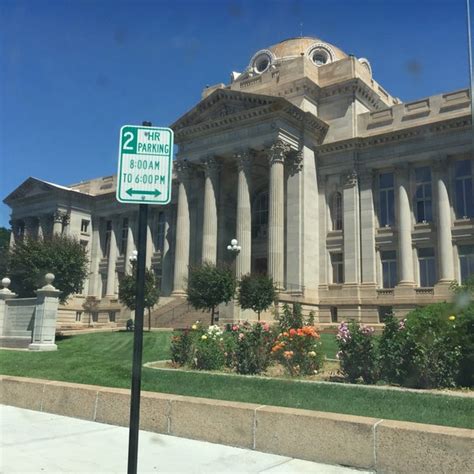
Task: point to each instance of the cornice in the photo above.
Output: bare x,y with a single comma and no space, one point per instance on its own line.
395,135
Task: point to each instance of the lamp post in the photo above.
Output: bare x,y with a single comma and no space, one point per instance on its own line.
234,246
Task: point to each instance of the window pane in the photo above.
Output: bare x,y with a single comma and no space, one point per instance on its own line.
469,199
383,209
391,208
426,252
386,180
423,174
463,168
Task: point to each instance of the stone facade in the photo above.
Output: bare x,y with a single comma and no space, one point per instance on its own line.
354,202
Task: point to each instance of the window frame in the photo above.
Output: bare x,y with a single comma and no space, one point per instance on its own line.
392,265
463,180
389,194
426,274
337,267
426,188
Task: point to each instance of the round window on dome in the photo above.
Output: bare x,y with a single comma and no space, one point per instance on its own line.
319,57
262,63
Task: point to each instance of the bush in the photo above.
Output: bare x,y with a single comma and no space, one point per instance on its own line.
209,350
252,347
394,351
290,318
432,347
357,352
464,337
181,348
298,350
256,292
130,326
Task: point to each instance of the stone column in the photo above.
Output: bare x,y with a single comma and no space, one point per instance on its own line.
43,224
276,216
130,244
111,261
183,169
244,214
31,227
149,240
166,263
445,245
66,223
209,228
405,252
58,218
46,312
351,228
14,232
95,256
367,224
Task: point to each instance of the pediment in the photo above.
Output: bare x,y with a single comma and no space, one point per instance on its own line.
30,188
222,103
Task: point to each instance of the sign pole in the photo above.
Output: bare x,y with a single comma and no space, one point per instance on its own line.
138,339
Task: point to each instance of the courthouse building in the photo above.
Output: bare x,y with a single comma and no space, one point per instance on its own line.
355,202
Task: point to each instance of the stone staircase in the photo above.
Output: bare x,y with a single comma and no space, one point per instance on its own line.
177,314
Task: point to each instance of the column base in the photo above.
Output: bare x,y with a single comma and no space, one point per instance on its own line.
178,293
38,346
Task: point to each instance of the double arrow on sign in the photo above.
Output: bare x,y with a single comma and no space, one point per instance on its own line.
132,191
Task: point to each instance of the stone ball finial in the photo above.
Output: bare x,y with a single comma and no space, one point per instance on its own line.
6,282
49,278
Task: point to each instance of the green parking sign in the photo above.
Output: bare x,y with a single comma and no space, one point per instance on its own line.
144,174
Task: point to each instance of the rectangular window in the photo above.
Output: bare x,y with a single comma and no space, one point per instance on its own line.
337,263
95,316
427,263
384,312
85,226
464,189
78,316
333,314
466,262
108,233
389,268
160,232
112,315
386,197
124,236
423,195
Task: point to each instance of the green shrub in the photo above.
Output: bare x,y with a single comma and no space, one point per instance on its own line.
253,344
299,351
209,350
290,318
181,348
432,347
395,351
464,334
357,354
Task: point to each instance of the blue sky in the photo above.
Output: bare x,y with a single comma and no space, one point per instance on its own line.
73,72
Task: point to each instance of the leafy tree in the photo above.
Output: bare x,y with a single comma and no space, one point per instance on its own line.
4,244
29,260
90,305
256,292
4,238
128,290
209,286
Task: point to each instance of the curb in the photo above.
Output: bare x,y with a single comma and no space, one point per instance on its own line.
362,442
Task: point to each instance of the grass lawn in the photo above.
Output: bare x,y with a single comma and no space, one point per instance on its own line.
106,359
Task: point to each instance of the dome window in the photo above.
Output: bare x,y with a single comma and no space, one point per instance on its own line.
319,57
320,54
262,63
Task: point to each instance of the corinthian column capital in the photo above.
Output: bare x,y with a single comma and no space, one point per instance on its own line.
278,152
244,160
183,169
211,166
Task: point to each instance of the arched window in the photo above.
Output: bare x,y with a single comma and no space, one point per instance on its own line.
336,211
260,215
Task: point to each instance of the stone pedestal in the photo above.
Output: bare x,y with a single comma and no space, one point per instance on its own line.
45,317
5,294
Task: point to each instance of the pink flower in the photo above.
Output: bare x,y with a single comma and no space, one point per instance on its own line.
266,327
241,336
235,327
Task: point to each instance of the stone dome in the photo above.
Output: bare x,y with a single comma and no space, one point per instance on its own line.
319,51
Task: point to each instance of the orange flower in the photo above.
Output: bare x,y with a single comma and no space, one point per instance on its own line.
292,332
285,334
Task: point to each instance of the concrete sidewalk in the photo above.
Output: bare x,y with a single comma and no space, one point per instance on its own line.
40,442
